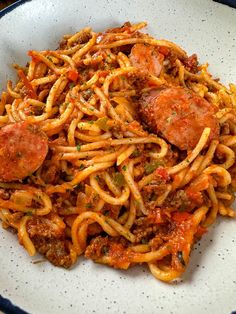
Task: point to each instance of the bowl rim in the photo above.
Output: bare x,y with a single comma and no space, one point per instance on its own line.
12,7
6,305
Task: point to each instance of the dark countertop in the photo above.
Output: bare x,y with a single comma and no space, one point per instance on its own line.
5,3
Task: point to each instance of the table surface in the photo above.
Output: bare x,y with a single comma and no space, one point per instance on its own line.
4,4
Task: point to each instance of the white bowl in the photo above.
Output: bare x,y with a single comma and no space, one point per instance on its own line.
209,285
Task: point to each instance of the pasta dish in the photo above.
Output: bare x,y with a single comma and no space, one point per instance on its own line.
117,146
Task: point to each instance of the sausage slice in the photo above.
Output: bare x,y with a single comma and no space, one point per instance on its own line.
23,148
146,58
179,115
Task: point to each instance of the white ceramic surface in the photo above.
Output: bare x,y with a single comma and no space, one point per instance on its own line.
209,285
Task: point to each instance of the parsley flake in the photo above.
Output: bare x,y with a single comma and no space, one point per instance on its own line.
71,85
81,167
106,213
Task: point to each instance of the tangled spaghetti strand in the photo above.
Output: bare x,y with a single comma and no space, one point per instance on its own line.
109,188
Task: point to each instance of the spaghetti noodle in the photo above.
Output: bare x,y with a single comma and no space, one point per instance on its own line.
117,146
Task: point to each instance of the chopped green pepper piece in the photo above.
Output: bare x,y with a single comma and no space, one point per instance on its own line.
151,166
119,179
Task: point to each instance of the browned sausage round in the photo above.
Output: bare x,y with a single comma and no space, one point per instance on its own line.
23,148
179,115
146,58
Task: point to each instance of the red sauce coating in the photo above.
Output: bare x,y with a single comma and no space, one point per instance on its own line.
23,148
119,256
179,115
29,88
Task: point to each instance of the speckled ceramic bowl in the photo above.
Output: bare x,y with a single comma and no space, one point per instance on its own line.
209,285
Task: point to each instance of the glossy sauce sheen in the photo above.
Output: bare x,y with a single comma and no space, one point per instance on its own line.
23,148
179,115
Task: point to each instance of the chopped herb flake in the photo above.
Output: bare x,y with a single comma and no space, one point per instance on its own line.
78,147
97,177
49,58
81,167
124,168
71,85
